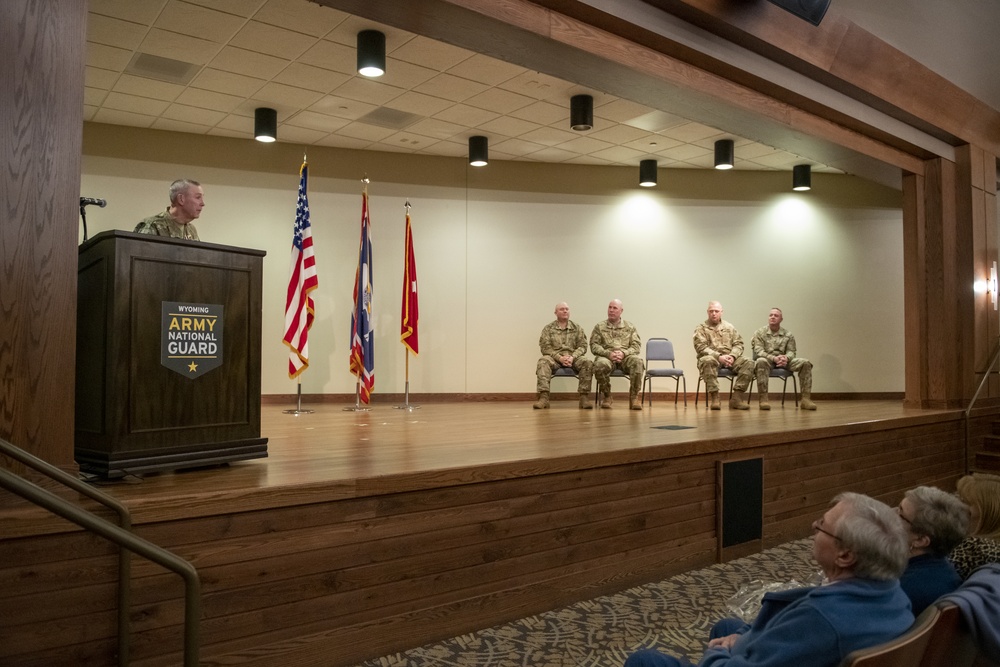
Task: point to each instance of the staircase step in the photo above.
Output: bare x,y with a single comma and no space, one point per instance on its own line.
988,461
991,443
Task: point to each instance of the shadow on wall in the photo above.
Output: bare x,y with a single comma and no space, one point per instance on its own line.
828,370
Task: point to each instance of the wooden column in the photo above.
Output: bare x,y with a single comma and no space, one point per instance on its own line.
41,119
950,243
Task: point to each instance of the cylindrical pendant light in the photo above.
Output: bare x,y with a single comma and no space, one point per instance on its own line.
581,112
647,173
371,53
265,124
801,178
479,151
724,154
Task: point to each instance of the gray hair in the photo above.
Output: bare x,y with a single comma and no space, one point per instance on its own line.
179,187
939,515
875,535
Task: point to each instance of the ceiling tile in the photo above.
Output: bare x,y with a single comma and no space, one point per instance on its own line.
137,85
299,135
451,149
690,132
332,56
94,96
342,107
502,101
402,74
194,115
107,57
304,17
99,78
229,83
206,99
544,113
242,125
550,136
620,134
138,11
135,104
486,70
408,141
552,155
682,152
779,159
244,8
429,53
89,112
623,110
515,147
509,127
451,87
620,154
346,33
752,151
114,32
340,141
179,47
418,103
585,145
248,63
279,93
438,129
309,77
462,114
272,40
365,90
316,121
207,24
365,131
115,117
179,126
539,86
652,143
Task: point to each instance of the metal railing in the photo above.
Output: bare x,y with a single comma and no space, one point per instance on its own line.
121,535
975,397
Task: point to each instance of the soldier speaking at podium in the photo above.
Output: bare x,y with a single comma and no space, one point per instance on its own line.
186,202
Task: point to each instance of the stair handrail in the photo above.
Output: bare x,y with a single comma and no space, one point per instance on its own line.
975,397
120,535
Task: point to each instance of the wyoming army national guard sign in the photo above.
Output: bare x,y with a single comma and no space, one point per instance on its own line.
191,339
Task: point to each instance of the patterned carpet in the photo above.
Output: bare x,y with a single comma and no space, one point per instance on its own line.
673,615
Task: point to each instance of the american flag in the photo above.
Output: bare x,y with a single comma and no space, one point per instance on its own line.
410,315
362,332
302,280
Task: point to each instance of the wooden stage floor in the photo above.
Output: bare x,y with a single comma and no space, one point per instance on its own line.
336,453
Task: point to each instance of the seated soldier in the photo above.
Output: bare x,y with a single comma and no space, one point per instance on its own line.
563,344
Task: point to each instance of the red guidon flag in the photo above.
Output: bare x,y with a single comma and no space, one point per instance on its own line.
410,315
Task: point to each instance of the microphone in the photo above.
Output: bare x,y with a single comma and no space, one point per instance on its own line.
92,201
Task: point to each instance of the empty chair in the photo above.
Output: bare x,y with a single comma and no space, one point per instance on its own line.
662,350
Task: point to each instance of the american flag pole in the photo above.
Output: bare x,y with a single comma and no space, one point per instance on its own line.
301,212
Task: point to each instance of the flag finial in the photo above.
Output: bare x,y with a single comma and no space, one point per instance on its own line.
407,205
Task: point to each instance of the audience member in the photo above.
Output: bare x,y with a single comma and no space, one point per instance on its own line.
186,202
935,523
563,344
981,492
860,544
774,347
717,344
616,344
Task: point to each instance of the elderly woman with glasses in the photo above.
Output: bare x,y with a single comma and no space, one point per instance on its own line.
935,522
861,546
981,492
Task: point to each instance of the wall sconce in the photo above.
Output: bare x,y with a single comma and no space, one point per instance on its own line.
724,154
479,151
581,112
647,173
371,53
993,285
265,124
801,178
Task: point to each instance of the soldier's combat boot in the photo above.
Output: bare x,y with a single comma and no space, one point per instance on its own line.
585,401
606,400
633,401
713,397
543,401
738,401
806,380
764,405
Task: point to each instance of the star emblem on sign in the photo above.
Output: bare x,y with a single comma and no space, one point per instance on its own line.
193,367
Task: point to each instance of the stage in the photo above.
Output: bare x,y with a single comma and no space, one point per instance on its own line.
363,533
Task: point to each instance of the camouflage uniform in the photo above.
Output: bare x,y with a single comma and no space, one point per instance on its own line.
556,342
710,342
768,345
605,339
164,224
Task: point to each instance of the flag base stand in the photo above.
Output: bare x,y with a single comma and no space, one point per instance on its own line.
297,410
406,397
357,407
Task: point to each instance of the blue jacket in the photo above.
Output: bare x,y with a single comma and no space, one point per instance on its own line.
818,626
927,578
979,600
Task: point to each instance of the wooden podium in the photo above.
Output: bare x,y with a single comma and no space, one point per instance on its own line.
167,354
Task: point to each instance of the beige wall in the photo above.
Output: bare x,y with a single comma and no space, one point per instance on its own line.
497,247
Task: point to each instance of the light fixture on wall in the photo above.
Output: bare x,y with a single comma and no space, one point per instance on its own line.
371,53
647,173
479,151
581,112
993,285
724,154
801,178
265,124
